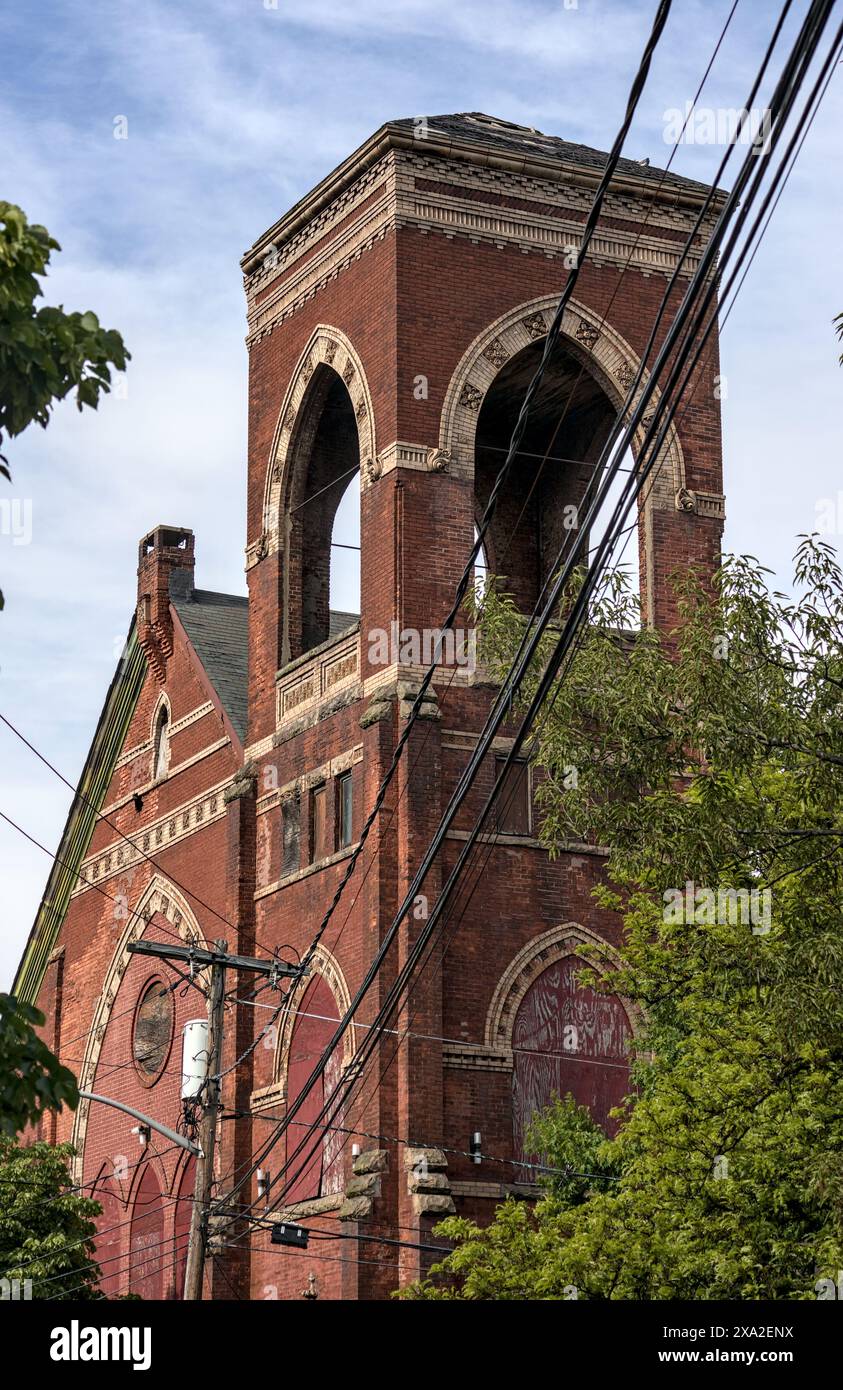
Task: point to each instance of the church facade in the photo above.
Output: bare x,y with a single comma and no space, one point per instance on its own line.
395,317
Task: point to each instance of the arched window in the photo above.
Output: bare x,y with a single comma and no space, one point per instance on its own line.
317,1170
161,745
147,1257
567,1039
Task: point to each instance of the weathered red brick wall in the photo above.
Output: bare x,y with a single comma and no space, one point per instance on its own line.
411,303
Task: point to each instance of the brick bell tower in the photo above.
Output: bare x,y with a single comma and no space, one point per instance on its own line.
396,315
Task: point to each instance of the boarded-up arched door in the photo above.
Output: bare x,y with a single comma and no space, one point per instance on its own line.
181,1229
108,1240
567,1039
146,1252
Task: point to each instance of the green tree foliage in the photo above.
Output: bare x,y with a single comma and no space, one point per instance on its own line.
708,762
32,1080
46,1230
44,353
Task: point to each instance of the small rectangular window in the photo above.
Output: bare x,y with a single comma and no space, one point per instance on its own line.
290,836
512,803
345,826
320,846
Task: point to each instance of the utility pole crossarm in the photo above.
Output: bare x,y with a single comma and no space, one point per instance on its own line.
199,955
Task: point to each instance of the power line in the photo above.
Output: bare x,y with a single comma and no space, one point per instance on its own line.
785,92
101,816
640,232
462,586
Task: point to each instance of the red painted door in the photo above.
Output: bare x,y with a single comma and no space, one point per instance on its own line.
184,1210
146,1252
108,1240
567,1039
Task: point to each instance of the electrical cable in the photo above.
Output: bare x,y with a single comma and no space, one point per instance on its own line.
673,375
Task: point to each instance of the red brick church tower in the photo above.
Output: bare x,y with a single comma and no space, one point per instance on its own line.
396,315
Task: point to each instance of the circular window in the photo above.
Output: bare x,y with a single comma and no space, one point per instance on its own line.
153,1029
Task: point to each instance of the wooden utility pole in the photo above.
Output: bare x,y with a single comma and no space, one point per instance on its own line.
197,1240
218,961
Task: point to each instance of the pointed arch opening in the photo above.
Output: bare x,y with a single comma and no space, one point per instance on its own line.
567,1039
161,743
318,1170
542,505
147,1257
108,1241
325,470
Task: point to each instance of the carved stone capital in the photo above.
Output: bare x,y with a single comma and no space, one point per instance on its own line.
372,469
686,500
438,461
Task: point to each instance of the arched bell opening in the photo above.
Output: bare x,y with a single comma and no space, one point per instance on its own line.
541,506
326,454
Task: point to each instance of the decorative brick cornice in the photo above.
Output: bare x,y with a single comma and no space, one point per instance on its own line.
177,825
534,204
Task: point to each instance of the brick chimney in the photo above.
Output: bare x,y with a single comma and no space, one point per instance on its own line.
165,569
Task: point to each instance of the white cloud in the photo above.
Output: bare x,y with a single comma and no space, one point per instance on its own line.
234,110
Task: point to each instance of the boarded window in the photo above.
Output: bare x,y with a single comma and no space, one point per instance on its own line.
290,836
320,830
315,1147
345,826
512,803
153,1029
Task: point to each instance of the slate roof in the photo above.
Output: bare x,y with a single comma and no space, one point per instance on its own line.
476,128
340,622
218,627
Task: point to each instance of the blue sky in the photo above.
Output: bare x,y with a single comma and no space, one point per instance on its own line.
234,108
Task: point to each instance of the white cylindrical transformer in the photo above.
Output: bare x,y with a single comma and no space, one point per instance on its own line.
194,1057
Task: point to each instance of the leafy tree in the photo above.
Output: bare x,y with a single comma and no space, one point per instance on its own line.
32,1080
711,763
45,353
46,1231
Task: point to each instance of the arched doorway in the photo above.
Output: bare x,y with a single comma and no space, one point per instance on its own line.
181,1225
317,1171
567,1039
146,1248
108,1241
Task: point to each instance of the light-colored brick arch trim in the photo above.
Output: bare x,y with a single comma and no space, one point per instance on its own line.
554,945
327,346
159,897
326,965
600,348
